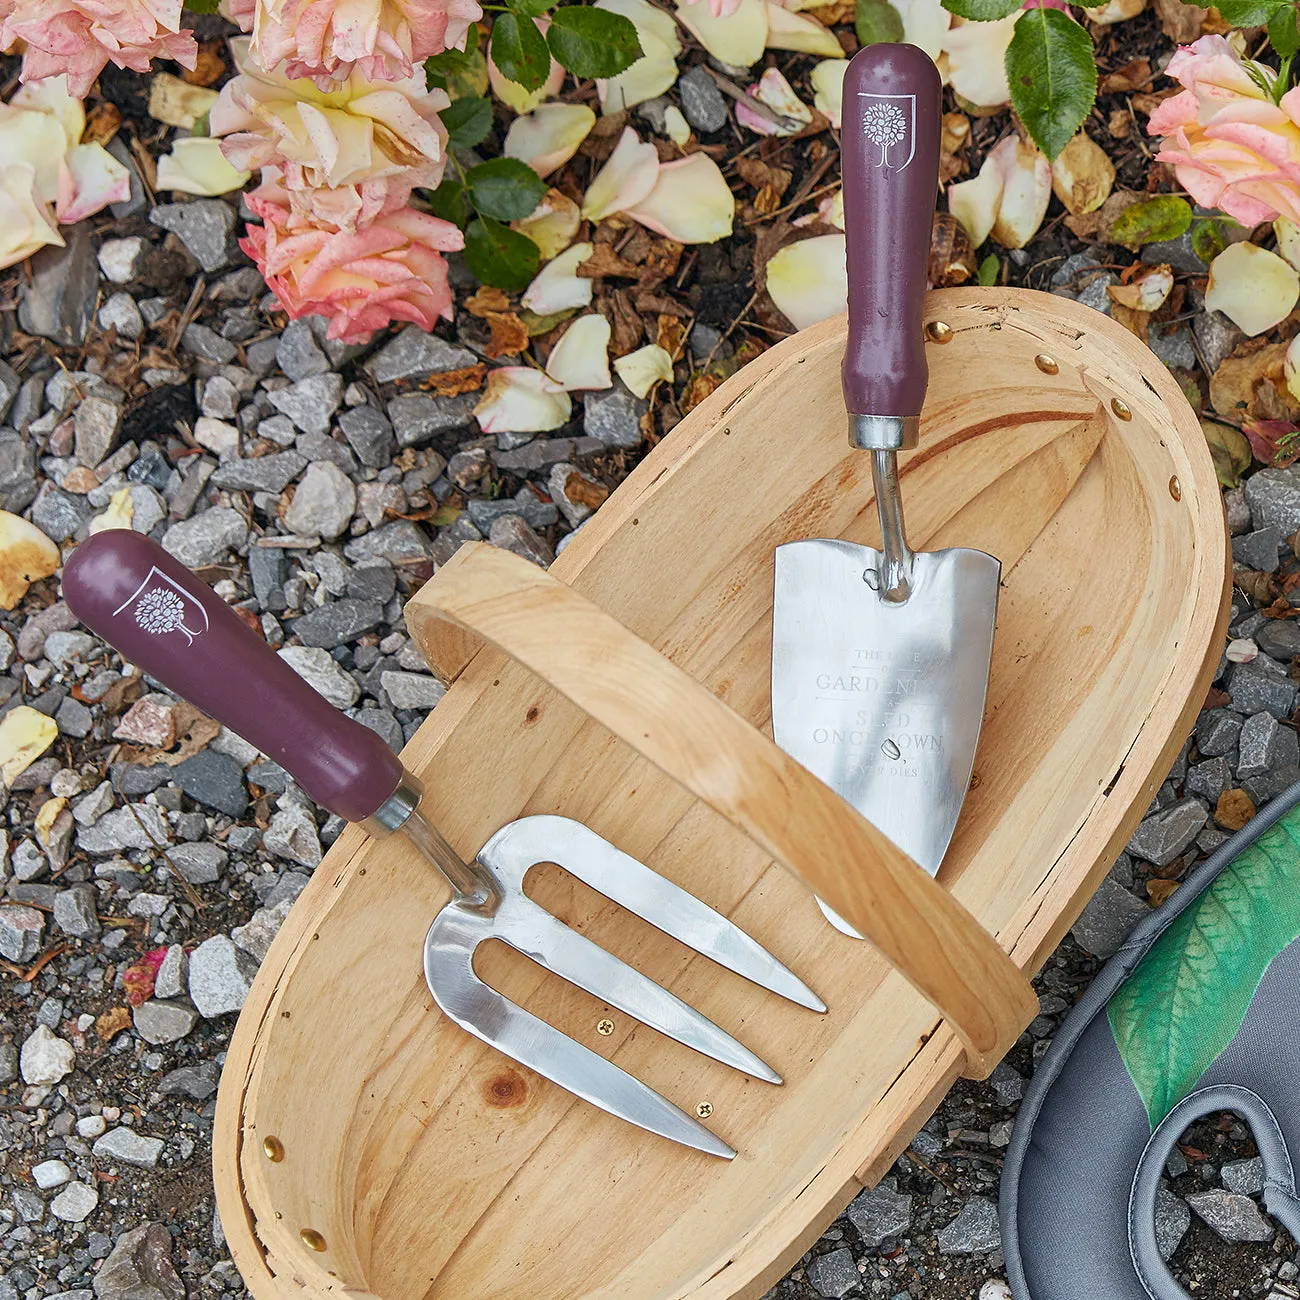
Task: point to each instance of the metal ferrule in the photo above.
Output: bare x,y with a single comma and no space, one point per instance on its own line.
884,432
393,813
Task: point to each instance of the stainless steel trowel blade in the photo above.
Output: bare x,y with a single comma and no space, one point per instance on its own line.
883,702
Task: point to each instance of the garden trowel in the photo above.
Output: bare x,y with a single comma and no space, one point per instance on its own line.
880,658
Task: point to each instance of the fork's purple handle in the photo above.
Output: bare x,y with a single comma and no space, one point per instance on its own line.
143,601
890,161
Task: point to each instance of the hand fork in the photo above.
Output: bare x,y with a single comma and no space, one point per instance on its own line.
134,595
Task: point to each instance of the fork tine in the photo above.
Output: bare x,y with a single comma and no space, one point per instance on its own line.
495,1020
536,933
629,882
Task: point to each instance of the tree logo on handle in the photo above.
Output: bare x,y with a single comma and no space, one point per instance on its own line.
885,122
162,606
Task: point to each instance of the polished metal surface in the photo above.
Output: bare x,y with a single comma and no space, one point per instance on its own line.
490,903
893,580
884,432
391,815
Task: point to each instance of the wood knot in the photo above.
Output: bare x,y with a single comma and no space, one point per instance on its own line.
533,714
506,1090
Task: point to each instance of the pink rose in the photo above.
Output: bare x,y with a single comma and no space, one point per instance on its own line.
393,270
1232,147
383,39
78,37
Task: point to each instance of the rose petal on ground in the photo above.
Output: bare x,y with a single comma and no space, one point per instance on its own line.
656,70
581,358
787,30
1253,288
1288,240
776,92
1026,191
627,177
828,88
1291,368
808,280
512,94
519,399
1116,11
196,165
120,513
738,39
90,179
690,202
975,202
1082,175
26,222
549,136
676,127
557,285
925,24
25,734
177,103
1145,293
977,60
26,555
641,370
552,224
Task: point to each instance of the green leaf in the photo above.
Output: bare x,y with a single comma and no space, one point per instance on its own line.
505,188
531,8
878,22
1165,217
1208,240
467,121
461,73
1188,996
450,202
989,268
201,6
593,42
500,256
984,11
519,51
1052,71
1283,33
1251,13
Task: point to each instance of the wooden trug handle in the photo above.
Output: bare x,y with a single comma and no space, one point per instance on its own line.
665,715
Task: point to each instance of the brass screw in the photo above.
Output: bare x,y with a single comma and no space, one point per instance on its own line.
313,1239
937,332
1175,488
604,1028
1046,364
1121,409
704,1109
273,1149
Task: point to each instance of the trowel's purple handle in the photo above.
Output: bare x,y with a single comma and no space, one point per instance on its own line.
890,159
140,599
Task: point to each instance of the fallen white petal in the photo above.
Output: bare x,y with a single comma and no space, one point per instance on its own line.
1145,293
977,60
50,97
656,70
1116,11
808,280
828,88
1082,175
792,31
557,287
552,224
1253,288
690,202
581,358
91,179
519,399
26,222
925,24
177,103
738,40
641,370
1291,368
549,136
1288,240
627,177
120,513
25,734
975,202
1026,191
26,555
196,165
773,90
676,127
1241,650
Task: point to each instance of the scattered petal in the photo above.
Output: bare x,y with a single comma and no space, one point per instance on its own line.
1291,368
120,513
975,202
26,555
512,94
792,31
641,370
1082,175
738,39
519,399
828,88
776,92
808,280
138,979
676,127
549,136
581,358
656,70
196,165
557,285
690,202
1288,240
1145,293
1241,650
25,735
552,224
925,24
26,222
91,179
174,102
1026,191
977,60
1253,288
627,177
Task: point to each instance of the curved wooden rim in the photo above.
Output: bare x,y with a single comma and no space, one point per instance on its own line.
663,713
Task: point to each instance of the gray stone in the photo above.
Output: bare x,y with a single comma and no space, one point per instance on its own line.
197,1082
614,416
31,1209
124,1146
370,435
172,978
833,1274
278,429
297,353
1007,1083
1244,1177
412,690
373,582
75,913
702,103
1108,919
59,299
1258,550
75,1203
417,417
63,649
21,931
1094,293
1173,1218
401,542
121,314
56,618
89,809
338,622
261,474
323,503
8,1064
201,863
974,1231
320,446
1178,253
59,514
255,937
216,780
1273,496
513,533
1161,837
1254,690
1259,734
413,354
140,826
1217,732
316,666
220,977
1279,638
220,398
140,1267
46,1058
292,835
879,1213
17,472
1173,346
217,436
1233,1216
1237,511
163,1020
206,538
1212,777
121,259
311,402
74,719
383,724
50,1174
525,504
1216,336
205,226
208,345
